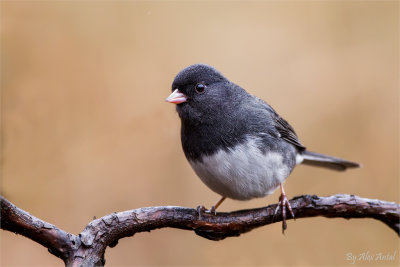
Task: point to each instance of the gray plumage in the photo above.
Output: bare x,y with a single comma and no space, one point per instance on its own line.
235,142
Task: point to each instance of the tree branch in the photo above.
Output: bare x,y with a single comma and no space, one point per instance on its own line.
87,249
14,219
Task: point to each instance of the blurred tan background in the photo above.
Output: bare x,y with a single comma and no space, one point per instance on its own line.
86,131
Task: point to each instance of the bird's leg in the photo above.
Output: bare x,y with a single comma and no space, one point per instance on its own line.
214,208
284,203
201,209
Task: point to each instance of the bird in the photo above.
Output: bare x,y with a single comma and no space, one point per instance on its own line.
235,142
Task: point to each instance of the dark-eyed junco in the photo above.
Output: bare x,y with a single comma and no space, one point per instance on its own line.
235,142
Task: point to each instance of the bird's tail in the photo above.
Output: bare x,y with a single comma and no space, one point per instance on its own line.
320,160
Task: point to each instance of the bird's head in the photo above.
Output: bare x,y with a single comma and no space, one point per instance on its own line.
199,90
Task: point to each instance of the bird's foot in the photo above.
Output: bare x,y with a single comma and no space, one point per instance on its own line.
283,204
213,210
201,210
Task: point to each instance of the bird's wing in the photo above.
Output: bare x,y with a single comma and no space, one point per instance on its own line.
287,132
283,128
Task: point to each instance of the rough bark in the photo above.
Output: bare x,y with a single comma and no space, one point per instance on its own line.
87,248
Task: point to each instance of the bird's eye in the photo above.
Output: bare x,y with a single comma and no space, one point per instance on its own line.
200,87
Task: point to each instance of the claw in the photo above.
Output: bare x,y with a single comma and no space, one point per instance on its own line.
275,212
201,209
212,210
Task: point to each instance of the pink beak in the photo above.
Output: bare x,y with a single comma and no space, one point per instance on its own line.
176,97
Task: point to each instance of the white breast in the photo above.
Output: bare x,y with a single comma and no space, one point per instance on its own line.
243,172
